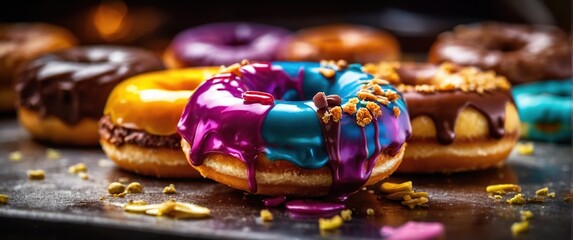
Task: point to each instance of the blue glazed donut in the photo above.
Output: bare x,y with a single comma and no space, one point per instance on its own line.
545,110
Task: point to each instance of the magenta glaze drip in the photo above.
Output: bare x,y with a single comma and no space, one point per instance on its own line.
274,202
219,100
313,208
413,231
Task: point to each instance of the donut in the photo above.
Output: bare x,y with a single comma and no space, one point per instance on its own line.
295,128
353,43
21,42
545,110
61,95
224,43
138,129
522,53
462,118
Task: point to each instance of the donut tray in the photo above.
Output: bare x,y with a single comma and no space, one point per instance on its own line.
65,206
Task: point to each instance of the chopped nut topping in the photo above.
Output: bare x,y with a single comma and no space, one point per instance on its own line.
115,188
346,214
525,215
503,188
336,113
80,167
374,109
384,70
396,111
525,148
413,202
15,156
350,106
363,117
4,199
330,224
519,227
365,95
391,95
383,100
169,189
388,187
134,187
377,90
370,212
327,72
37,174
542,191
517,199
326,117
266,215
52,154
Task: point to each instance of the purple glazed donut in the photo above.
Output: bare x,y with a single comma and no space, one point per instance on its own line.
224,44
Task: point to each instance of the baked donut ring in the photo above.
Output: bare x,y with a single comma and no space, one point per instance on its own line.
61,95
224,43
353,43
308,143
138,130
21,42
522,53
462,118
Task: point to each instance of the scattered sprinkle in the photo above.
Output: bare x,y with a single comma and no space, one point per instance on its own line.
15,156
327,224
502,188
137,202
37,174
52,154
525,148
413,202
115,188
346,214
517,199
388,187
266,215
542,192
396,111
170,208
4,199
551,194
170,189
370,212
327,72
525,215
83,176
134,187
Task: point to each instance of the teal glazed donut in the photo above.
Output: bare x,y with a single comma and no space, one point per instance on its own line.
545,110
303,116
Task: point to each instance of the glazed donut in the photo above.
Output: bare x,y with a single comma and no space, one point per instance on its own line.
61,95
462,118
236,130
225,43
545,110
353,43
522,53
138,130
21,42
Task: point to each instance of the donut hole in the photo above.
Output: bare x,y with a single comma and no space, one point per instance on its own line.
506,46
238,42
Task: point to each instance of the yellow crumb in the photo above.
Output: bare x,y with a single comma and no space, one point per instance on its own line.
15,156
80,167
346,214
330,223
115,188
517,199
542,191
134,187
170,189
503,188
266,215
84,176
37,174
551,194
4,199
389,187
519,227
370,212
525,215
52,154
413,202
525,148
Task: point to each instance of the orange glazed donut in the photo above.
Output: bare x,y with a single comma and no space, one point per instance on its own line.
20,42
353,43
138,130
462,118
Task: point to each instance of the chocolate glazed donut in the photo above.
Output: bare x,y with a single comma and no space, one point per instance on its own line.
73,85
522,53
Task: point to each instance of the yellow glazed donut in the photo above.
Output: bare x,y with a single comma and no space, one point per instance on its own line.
138,130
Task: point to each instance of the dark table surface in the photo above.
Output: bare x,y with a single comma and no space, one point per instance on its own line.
65,206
